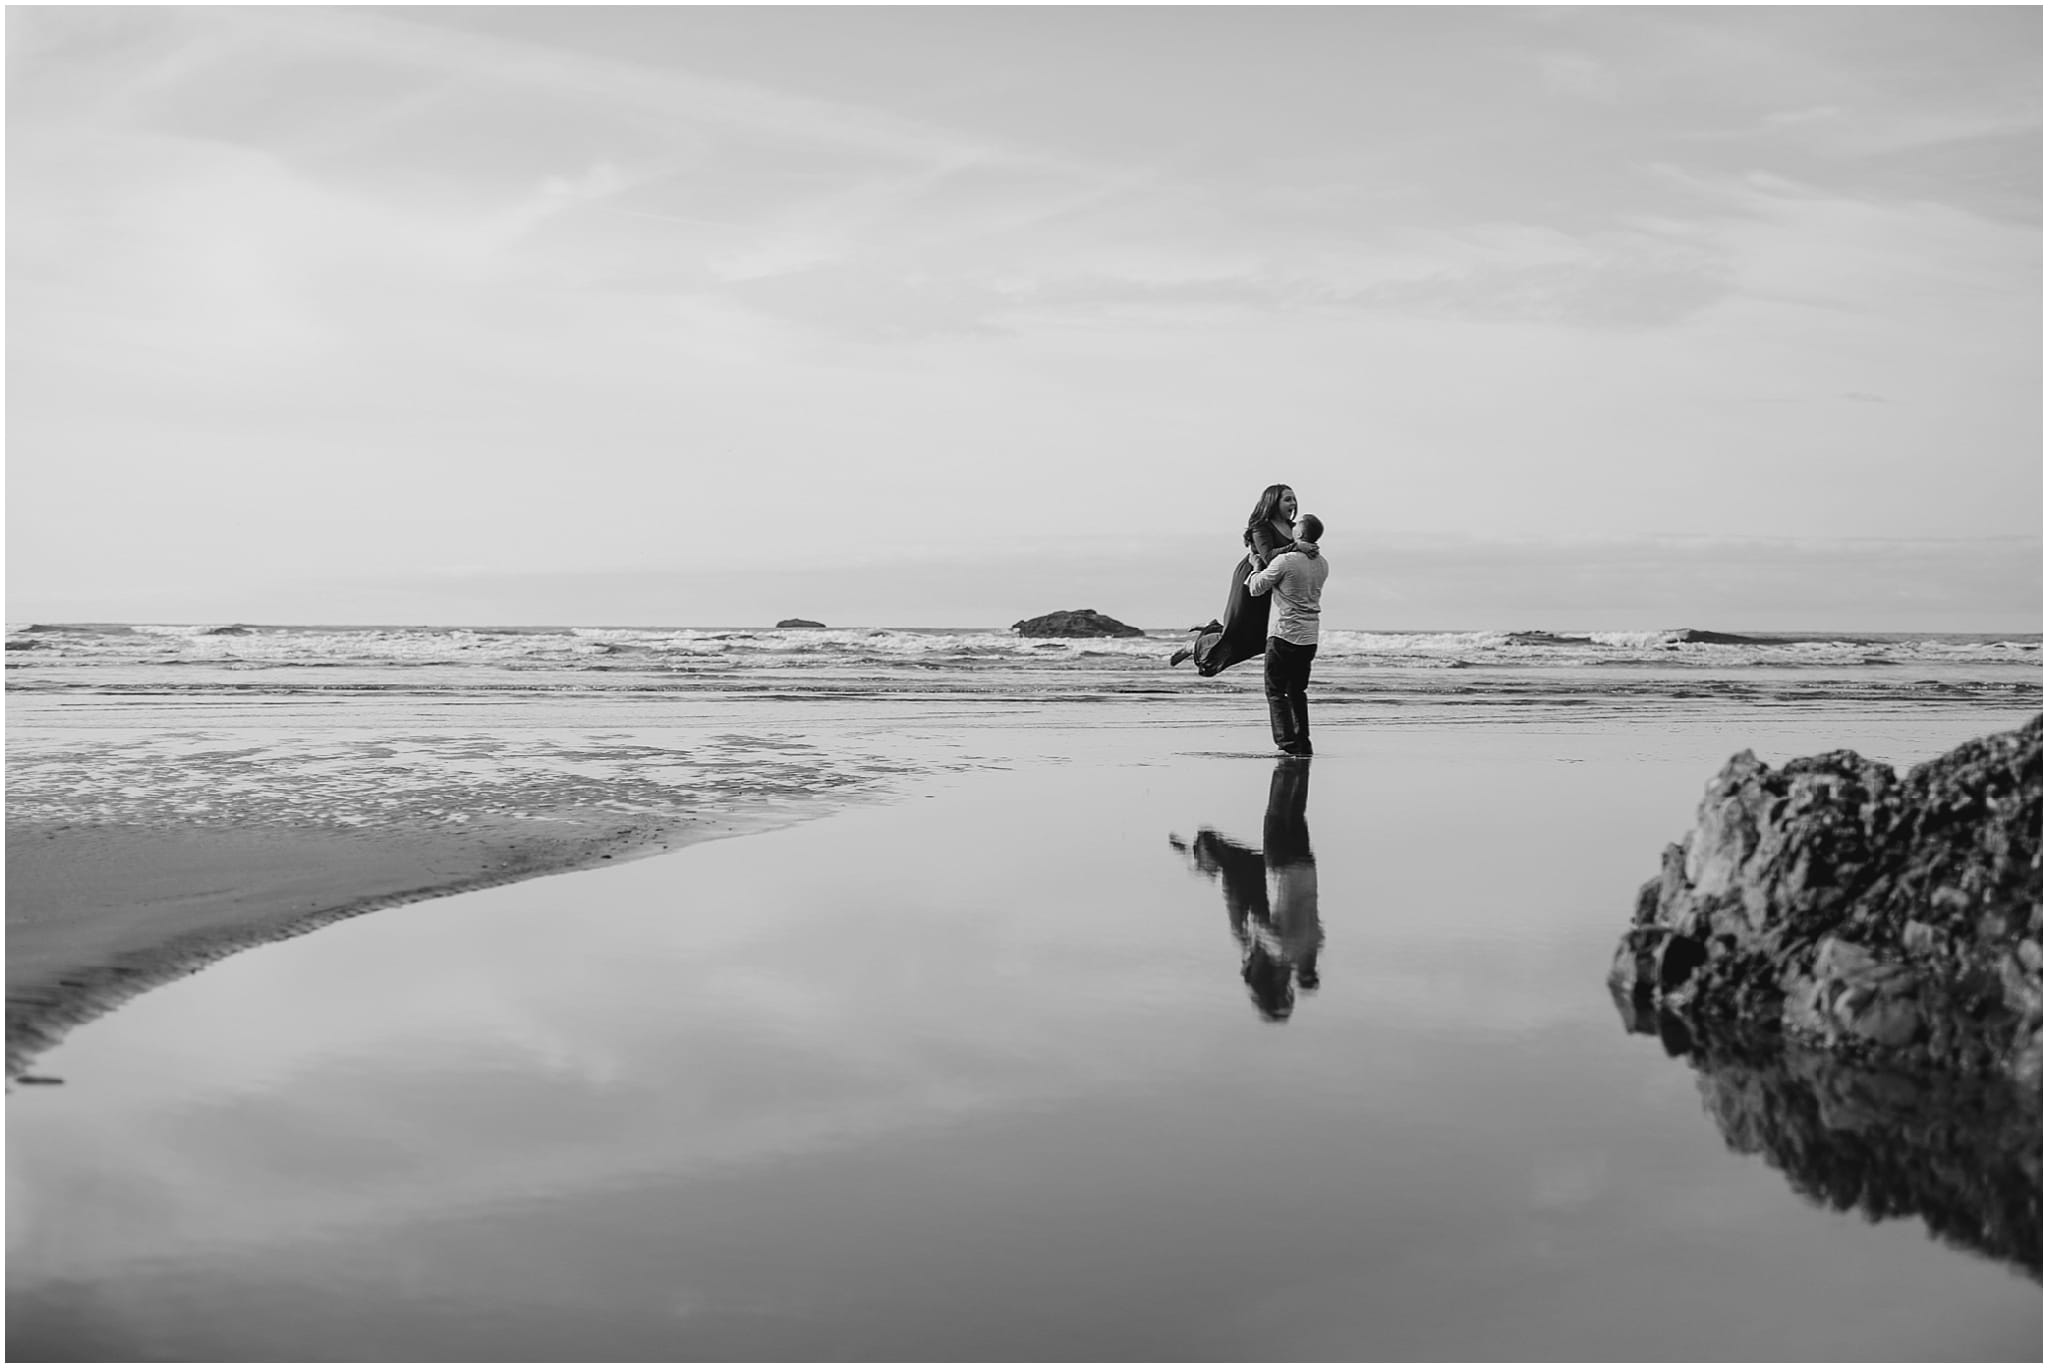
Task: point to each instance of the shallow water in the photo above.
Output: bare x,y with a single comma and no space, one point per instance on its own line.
984,1075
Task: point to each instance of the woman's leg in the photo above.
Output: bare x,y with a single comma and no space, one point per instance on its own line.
1242,633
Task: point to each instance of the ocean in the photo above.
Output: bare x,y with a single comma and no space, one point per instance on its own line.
1530,666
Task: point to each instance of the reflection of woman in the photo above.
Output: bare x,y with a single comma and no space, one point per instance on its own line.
1270,895
1241,634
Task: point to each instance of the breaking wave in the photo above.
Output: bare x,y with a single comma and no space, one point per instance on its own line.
598,648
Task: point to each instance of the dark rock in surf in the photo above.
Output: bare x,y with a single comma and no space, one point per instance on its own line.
1888,919
1699,636
1547,639
1075,622
232,629
798,622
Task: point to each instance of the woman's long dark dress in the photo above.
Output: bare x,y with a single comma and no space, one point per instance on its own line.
1245,614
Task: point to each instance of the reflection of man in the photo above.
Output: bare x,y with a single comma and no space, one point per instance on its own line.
1291,864
1270,896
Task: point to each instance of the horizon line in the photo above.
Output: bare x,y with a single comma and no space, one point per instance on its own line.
37,624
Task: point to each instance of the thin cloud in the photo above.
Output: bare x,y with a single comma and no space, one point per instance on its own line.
660,93
1579,75
1786,118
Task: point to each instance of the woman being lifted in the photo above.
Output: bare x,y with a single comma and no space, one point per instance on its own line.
1241,634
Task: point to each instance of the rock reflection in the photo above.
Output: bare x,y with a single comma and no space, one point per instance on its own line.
1961,1153
1270,894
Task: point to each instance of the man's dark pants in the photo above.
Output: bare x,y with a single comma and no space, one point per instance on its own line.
1287,693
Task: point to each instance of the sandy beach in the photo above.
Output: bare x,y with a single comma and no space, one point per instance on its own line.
167,809
1029,992
96,914
986,1074
146,838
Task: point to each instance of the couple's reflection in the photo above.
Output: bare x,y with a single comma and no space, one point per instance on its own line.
1270,895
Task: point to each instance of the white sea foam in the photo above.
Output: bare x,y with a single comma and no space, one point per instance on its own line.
35,648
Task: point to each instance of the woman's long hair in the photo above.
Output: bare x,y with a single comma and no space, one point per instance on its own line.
1267,508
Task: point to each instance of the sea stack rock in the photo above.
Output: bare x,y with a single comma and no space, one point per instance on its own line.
798,622
1893,920
1075,622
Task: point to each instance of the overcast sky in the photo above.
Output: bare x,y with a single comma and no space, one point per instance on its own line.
1585,318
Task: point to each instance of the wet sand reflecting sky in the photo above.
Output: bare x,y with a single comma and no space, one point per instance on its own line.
1106,1059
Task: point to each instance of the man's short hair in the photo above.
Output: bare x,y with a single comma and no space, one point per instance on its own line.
1308,527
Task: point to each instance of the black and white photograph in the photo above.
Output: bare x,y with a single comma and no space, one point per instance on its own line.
1023,683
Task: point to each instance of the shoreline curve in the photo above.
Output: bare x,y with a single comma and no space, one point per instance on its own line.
67,967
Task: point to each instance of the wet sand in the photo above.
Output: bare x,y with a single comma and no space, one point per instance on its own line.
97,914
147,838
982,1075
